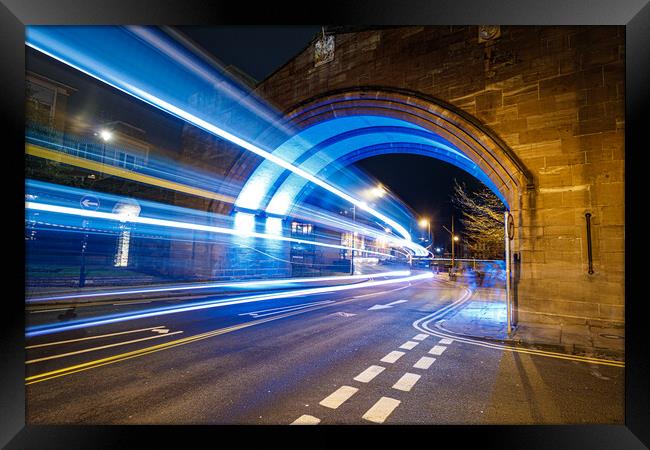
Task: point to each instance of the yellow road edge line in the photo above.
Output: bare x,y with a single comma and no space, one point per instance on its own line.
100,336
103,347
53,155
606,362
550,354
141,352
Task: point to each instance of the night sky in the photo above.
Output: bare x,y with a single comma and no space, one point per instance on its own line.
257,50
424,183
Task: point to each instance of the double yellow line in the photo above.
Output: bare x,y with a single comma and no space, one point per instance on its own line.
156,348
52,155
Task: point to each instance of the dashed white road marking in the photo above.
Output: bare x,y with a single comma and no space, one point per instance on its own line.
424,363
446,341
420,337
338,397
407,382
408,345
437,349
306,419
380,411
392,357
370,373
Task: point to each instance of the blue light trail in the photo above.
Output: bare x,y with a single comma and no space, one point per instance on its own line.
115,318
133,59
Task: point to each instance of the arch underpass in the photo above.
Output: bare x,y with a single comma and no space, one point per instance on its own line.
341,128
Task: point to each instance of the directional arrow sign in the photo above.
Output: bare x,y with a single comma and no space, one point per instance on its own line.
387,305
89,202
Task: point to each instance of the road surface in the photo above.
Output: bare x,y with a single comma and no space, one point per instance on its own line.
355,356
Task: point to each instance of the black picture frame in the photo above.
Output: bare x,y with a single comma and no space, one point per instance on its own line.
15,14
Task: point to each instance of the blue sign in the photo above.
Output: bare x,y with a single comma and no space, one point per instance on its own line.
89,202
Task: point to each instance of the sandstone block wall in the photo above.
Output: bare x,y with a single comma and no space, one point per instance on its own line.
554,95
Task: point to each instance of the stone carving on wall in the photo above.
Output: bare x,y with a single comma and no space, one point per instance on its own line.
324,50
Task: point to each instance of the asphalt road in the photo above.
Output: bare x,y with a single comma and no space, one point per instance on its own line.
327,358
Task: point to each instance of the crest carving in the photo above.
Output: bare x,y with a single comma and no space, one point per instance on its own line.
324,50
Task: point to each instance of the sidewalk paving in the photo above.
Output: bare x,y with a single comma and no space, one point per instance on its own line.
484,317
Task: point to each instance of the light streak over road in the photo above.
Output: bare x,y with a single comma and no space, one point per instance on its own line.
125,71
105,320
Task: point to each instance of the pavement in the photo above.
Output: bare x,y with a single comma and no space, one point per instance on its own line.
483,316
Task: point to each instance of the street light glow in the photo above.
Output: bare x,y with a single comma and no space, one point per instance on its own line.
105,135
424,223
377,192
456,238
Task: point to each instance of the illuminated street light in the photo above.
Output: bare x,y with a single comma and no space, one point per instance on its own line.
377,192
424,222
105,135
456,238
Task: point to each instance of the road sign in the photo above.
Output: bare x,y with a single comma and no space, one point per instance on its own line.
511,227
89,202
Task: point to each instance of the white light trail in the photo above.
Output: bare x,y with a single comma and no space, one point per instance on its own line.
182,225
261,283
219,303
201,123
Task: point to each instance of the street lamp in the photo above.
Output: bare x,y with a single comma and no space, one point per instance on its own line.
106,136
454,238
426,223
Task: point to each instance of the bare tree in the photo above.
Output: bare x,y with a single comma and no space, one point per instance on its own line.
482,219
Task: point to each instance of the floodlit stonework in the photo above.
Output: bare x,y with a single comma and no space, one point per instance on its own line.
540,109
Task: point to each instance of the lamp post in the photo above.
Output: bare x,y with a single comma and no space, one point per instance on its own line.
427,223
375,192
105,135
454,238
353,238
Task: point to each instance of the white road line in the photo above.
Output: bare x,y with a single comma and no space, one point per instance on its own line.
131,303
408,345
48,310
306,419
99,348
424,363
381,410
252,313
392,357
407,382
338,397
368,374
420,337
445,341
92,337
437,349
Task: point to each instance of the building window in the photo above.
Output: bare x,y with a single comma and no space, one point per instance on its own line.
301,228
40,104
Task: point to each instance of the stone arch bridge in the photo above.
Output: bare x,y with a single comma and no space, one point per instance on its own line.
536,113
